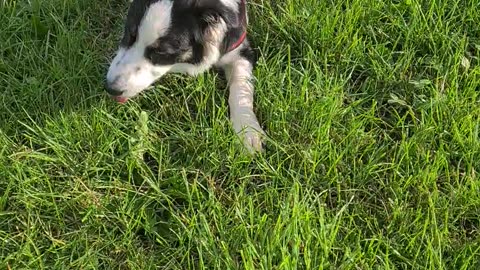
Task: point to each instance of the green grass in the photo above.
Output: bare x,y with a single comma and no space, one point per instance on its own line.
372,161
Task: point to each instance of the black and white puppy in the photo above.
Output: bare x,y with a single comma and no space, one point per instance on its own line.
188,36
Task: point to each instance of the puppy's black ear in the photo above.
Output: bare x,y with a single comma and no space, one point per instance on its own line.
235,22
211,11
209,18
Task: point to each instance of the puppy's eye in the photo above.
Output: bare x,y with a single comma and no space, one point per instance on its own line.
132,37
159,57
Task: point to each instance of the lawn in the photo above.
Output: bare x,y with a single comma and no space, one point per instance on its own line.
372,159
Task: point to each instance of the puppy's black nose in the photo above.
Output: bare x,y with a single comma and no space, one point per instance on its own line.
112,90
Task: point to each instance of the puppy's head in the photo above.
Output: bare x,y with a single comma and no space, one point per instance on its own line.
163,36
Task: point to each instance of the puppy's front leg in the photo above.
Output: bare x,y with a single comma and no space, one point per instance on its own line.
244,120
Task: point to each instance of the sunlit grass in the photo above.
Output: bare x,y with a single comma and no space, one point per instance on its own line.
372,157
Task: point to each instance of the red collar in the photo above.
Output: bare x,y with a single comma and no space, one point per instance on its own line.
243,26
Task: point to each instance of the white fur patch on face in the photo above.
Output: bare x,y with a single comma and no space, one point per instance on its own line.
130,72
155,23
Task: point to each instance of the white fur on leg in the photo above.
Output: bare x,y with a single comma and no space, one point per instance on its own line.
244,121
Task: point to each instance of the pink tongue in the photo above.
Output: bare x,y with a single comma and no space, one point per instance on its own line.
120,99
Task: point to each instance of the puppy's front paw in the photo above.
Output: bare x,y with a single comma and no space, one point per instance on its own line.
252,140
252,137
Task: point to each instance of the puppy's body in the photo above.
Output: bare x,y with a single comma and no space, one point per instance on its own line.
188,36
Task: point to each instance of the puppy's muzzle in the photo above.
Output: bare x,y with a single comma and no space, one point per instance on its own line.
113,88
